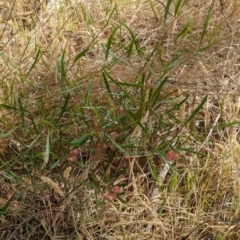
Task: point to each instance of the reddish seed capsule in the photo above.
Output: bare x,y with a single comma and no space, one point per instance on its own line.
172,156
109,196
116,189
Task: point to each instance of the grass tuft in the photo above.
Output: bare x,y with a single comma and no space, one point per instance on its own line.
119,119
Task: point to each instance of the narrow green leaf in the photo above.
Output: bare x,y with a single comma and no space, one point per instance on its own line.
81,54
96,112
109,42
63,71
194,113
121,200
117,145
47,123
222,126
166,11
80,141
72,89
33,142
187,27
190,150
64,108
134,40
55,164
153,10
119,83
177,7
5,135
209,45
107,85
4,208
22,110
205,25
35,61
89,90
47,151
159,51
113,55
153,171
156,93
25,48
60,68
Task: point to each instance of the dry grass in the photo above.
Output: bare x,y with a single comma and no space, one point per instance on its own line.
83,144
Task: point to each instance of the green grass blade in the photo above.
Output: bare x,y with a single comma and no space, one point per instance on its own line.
153,170
166,11
5,135
120,83
206,47
222,126
87,97
177,7
205,26
80,141
22,111
47,151
60,68
4,208
134,41
113,55
156,93
187,27
117,145
80,55
109,43
154,11
64,108
30,146
63,71
107,85
196,110
34,62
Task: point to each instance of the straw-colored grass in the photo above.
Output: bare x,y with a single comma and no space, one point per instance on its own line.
119,119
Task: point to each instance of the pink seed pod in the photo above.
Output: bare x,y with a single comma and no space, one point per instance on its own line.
171,156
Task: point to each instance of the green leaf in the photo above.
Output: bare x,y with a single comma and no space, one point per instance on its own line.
117,145
107,85
118,83
133,42
226,125
109,43
177,7
194,113
156,93
205,25
121,200
166,11
80,141
64,107
187,27
5,135
47,151
153,171
81,54
35,62
89,90
55,164
153,10
4,208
